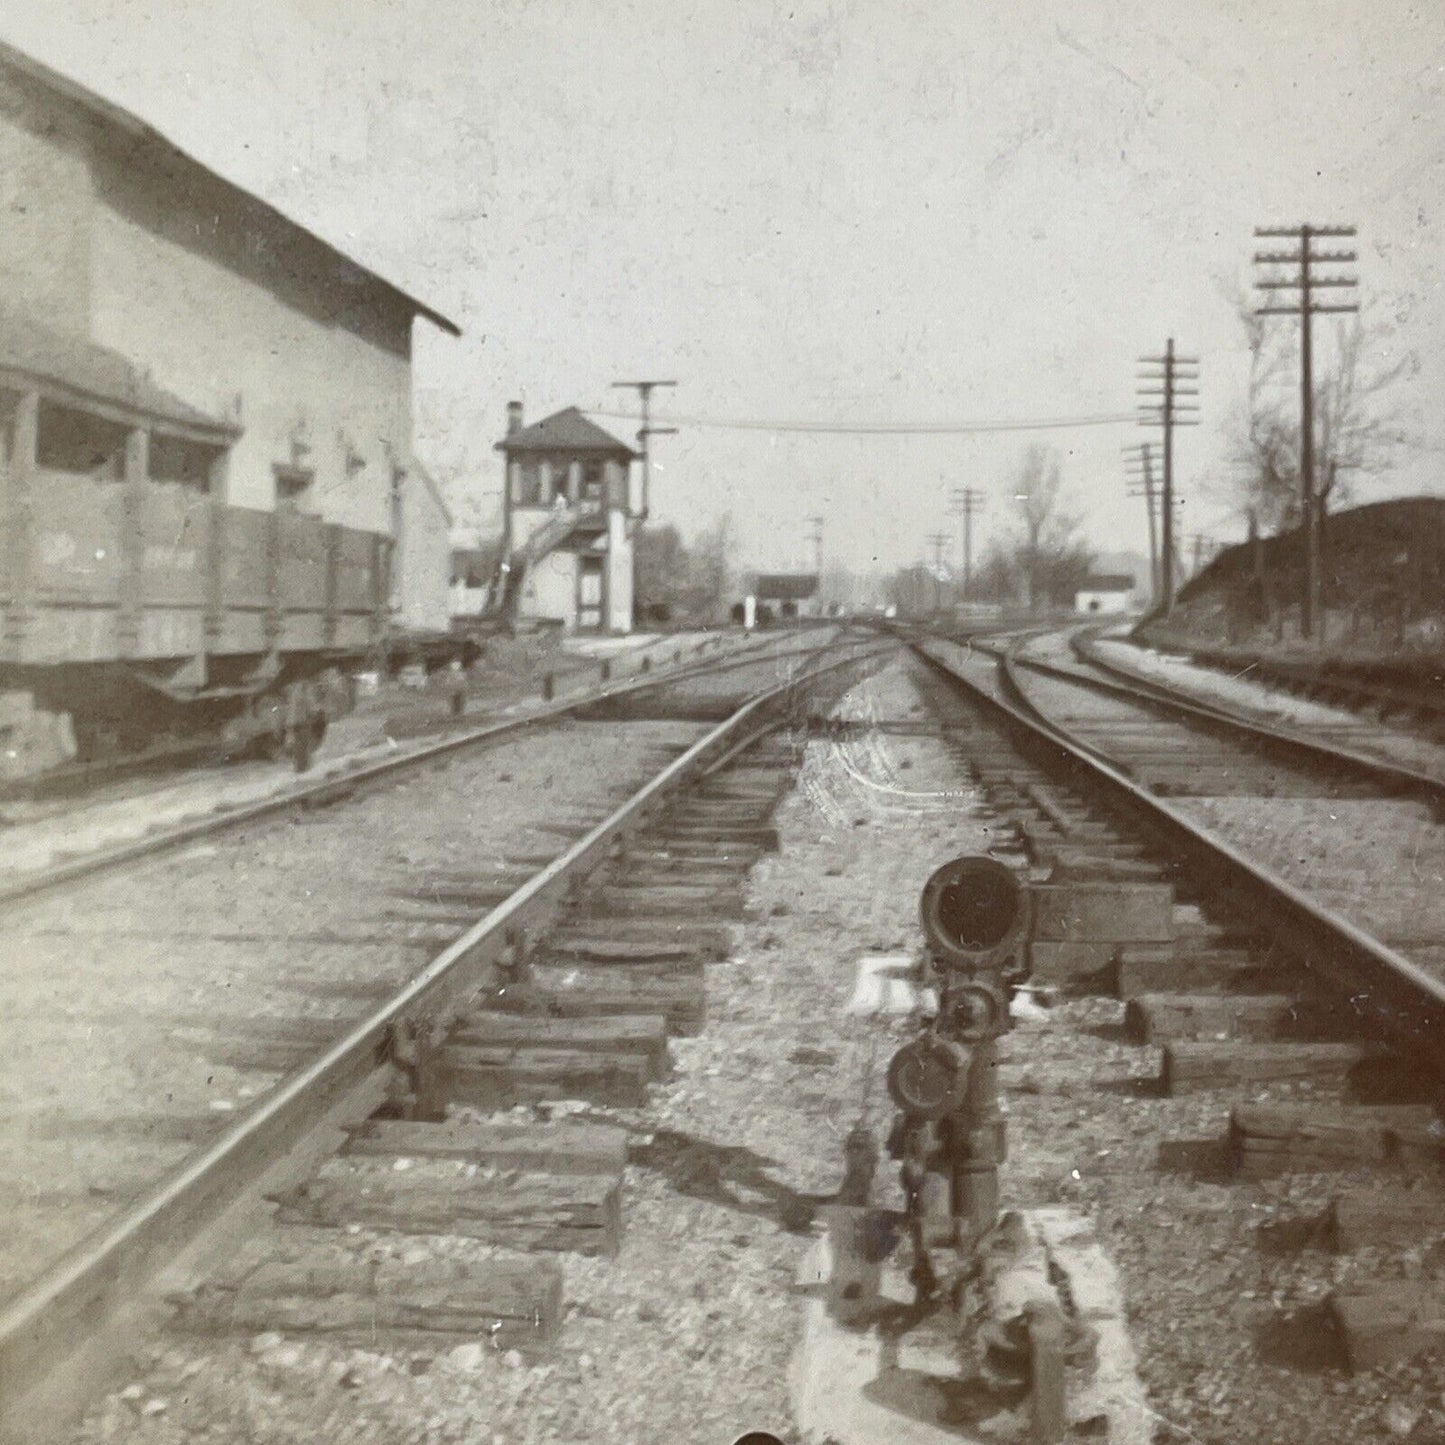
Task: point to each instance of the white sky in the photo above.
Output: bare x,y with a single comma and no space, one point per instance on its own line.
856,210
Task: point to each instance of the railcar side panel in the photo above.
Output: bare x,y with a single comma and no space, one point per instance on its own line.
119,572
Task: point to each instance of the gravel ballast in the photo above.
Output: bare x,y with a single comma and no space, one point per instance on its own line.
687,1336
148,1006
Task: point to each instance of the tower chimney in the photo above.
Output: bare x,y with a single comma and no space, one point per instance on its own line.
514,417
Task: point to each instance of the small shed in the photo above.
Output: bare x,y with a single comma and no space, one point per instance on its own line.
792,594
1105,592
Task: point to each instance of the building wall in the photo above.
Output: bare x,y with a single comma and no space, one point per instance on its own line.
543,598
422,574
1102,602
45,202
617,573
229,307
550,590
173,291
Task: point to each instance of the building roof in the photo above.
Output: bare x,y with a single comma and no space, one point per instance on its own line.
74,369
565,431
785,586
115,118
1108,582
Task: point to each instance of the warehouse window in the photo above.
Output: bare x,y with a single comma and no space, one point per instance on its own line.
295,488
591,481
186,463
80,443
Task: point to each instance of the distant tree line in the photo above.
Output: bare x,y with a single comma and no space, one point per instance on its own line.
1040,561
676,582
1359,430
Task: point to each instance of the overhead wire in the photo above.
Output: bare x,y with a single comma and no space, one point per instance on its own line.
831,428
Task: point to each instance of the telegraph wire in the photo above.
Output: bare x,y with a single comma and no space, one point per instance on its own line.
829,428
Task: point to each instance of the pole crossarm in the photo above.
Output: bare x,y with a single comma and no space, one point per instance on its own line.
1304,280
1298,283
1313,310
1305,230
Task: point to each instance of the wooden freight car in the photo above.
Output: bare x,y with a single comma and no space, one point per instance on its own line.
136,608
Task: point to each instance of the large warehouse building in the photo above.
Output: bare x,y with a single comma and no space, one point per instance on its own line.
149,303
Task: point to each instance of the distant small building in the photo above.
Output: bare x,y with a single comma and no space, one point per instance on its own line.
790,594
1105,593
568,522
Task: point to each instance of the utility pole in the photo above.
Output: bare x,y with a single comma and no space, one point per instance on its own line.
938,541
1303,279
815,536
1173,373
647,430
967,501
1137,463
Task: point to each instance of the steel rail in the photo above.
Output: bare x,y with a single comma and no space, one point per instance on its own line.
73,870
91,1285
1403,1000
1339,679
1397,776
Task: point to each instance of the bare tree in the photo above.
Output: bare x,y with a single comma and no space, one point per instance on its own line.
1049,553
1358,427
677,581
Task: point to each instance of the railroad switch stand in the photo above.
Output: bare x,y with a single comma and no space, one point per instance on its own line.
1016,1334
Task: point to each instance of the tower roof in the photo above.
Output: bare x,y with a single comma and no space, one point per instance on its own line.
565,431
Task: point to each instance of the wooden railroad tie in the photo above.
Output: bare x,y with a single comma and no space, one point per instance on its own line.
640,940
503,1077
1153,1018
510,1303
577,1212
557,1148
632,1034
1389,1322
571,992
1143,970
1380,1218
1189,1067
1266,1140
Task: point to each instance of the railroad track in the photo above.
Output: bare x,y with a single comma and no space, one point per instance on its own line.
1402,761
555,992
1316,1048
1378,691
206,819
